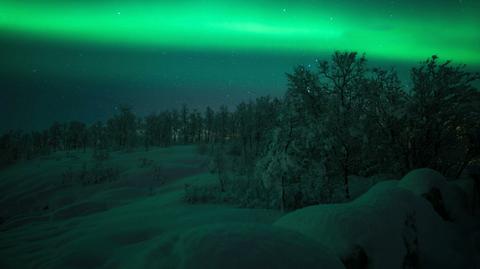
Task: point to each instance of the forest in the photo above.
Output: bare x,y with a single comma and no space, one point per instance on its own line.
339,119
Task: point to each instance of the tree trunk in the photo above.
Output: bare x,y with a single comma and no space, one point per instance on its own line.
282,204
345,181
465,162
222,184
345,173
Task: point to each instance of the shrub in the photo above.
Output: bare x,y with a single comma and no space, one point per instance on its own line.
144,162
68,176
98,174
239,191
100,155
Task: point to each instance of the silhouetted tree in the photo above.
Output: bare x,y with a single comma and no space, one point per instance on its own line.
56,136
209,124
184,124
195,126
176,126
344,79
383,115
122,128
9,148
76,135
222,119
97,136
444,111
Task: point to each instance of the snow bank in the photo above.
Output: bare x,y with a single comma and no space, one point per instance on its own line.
251,246
391,224
425,182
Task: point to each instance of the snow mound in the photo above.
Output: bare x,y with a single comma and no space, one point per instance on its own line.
392,225
449,200
251,246
422,180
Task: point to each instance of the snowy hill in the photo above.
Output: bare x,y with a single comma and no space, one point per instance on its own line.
139,220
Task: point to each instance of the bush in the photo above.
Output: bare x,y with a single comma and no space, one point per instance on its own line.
98,174
68,176
144,162
248,192
158,174
100,155
238,191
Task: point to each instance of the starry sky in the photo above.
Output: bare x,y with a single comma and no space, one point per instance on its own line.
78,60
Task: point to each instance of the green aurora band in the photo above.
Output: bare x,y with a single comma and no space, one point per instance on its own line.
394,32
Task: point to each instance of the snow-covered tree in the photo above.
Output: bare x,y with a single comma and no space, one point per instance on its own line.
444,112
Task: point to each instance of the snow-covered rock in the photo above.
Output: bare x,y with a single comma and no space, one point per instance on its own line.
426,182
390,223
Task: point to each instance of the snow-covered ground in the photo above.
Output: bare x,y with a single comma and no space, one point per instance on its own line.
137,222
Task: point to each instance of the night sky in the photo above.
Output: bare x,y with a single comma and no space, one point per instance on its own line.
61,60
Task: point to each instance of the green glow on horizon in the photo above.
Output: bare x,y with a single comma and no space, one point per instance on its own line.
217,25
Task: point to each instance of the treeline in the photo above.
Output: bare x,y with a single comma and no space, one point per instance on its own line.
126,131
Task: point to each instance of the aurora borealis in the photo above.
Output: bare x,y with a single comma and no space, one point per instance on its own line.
397,30
141,50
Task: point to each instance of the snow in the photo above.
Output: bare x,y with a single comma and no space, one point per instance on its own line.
376,222
130,226
251,246
422,181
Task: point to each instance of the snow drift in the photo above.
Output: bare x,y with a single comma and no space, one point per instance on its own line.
392,223
251,246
